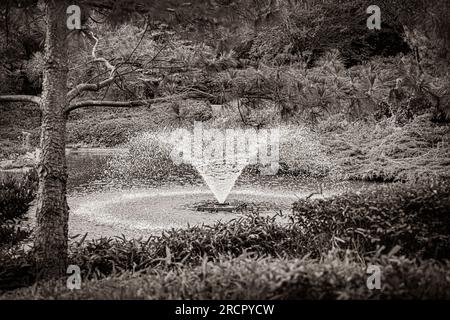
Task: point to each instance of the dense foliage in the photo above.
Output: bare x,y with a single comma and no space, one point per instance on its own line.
335,276
374,103
253,49
416,220
16,196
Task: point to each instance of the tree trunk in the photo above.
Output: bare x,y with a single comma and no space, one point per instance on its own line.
52,211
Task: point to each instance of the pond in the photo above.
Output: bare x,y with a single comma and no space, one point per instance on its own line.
101,206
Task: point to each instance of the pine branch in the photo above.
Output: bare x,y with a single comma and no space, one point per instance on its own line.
131,103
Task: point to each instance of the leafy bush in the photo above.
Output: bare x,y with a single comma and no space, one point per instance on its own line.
100,133
17,268
103,257
254,233
148,155
302,153
192,110
16,195
416,218
15,119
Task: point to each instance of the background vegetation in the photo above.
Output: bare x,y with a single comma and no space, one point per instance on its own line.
370,105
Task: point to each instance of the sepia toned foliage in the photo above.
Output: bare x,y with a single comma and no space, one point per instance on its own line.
297,62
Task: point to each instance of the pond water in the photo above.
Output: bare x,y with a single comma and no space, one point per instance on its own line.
101,206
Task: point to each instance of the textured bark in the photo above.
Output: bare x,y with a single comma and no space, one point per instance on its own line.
52,210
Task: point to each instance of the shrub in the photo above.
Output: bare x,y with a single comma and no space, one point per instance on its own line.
192,110
17,268
254,233
416,218
104,257
105,133
16,195
303,154
148,155
387,152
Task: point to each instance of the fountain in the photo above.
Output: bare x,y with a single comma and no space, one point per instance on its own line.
220,177
220,156
120,203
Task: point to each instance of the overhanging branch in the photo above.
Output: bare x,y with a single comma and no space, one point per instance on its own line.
88,87
20,98
127,104
94,86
